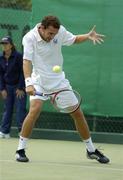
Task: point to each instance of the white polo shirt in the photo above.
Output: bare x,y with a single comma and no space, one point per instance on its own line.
44,55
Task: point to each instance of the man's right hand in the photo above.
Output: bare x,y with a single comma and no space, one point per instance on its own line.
30,90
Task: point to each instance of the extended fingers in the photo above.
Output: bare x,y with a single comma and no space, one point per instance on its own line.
93,29
98,41
100,35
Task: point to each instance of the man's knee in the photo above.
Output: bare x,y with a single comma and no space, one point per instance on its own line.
35,108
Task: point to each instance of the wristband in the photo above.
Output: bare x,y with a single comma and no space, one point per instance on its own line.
28,81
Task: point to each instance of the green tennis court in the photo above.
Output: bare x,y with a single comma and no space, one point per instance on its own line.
59,160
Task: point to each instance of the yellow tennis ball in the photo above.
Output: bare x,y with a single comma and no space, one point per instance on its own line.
56,69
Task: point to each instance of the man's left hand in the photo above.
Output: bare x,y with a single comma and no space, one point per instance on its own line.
95,37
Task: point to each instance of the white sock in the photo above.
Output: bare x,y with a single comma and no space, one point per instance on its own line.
22,143
89,145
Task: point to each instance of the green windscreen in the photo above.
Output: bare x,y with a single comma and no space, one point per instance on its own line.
96,71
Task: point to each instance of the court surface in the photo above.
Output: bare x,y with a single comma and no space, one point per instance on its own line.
59,160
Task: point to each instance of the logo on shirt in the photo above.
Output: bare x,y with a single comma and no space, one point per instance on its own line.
55,41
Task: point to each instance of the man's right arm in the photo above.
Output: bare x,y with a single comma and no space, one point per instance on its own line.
27,69
28,49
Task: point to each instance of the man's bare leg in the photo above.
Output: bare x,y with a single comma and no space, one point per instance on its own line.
31,118
83,129
28,124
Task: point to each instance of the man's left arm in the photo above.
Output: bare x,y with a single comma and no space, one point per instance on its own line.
92,35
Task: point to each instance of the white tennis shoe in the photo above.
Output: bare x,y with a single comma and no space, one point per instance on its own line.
3,135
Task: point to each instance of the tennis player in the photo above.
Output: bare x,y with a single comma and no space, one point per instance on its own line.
42,50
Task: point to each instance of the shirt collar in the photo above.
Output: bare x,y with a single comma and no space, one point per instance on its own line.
36,33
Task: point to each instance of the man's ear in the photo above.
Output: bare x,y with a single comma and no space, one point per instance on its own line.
42,27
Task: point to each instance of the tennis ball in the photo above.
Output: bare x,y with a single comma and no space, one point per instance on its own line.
56,69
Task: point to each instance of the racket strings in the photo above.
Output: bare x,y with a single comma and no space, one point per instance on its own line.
67,101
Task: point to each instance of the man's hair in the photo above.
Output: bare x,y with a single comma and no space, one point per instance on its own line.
50,21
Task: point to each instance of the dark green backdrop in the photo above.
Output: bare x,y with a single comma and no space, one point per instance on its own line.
95,71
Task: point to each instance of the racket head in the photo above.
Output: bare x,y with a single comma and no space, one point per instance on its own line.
66,101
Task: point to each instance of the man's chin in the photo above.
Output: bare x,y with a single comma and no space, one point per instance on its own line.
48,40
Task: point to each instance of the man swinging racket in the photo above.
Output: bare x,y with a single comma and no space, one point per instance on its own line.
42,51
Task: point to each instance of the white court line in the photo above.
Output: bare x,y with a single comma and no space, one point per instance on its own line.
68,165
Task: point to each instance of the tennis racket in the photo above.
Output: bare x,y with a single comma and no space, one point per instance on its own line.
65,101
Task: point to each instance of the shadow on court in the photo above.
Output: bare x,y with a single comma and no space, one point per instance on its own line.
59,160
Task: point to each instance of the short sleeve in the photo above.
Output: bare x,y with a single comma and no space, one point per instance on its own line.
68,38
28,49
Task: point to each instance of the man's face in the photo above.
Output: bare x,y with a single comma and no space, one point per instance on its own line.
48,33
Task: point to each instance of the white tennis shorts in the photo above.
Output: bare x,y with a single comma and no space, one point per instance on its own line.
63,100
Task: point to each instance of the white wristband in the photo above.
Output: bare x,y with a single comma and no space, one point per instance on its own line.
28,82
